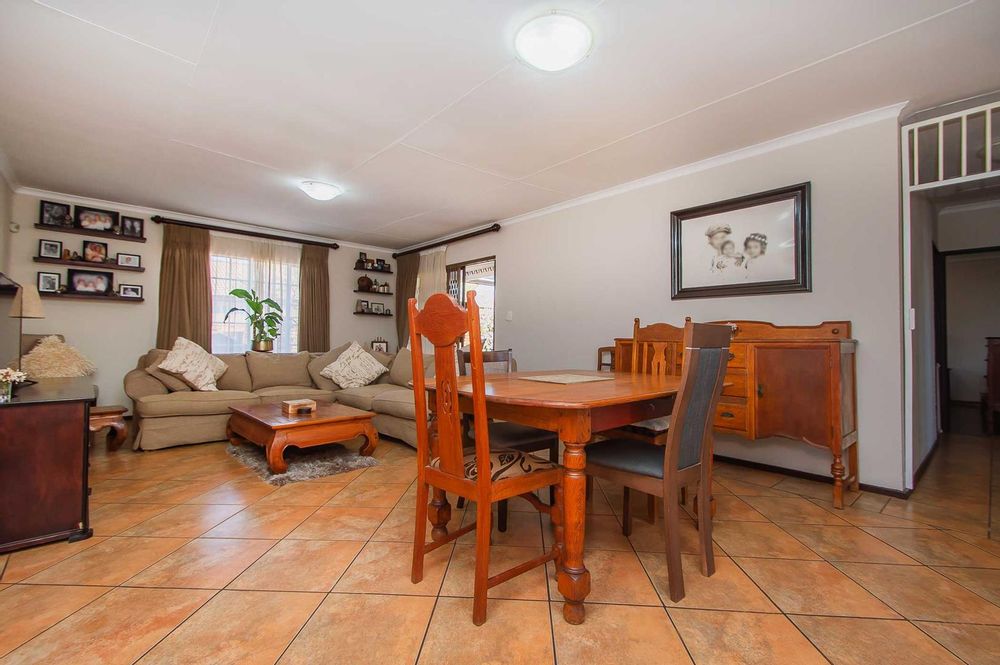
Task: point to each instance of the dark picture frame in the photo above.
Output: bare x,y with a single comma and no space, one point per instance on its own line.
50,249
796,258
380,345
94,248
377,308
44,282
130,290
51,213
132,227
95,219
90,282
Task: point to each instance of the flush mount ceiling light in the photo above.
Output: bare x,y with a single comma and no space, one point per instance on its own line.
321,191
553,42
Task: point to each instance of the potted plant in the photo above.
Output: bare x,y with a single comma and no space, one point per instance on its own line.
8,377
263,324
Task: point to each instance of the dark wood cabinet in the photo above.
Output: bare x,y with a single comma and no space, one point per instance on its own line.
44,442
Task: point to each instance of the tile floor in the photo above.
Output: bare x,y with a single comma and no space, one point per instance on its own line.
195,560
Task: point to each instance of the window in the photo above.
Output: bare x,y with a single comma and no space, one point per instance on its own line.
269,268
478,276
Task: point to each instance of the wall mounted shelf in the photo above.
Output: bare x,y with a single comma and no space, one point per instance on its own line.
370,314
86,264
376,293
88,296
86,232
381,272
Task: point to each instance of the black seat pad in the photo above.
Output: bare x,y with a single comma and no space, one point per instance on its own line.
519,437
628,455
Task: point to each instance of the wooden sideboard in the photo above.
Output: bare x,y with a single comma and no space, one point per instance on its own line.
795,382
44,439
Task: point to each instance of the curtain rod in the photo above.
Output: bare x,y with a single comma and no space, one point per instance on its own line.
493,228
253,234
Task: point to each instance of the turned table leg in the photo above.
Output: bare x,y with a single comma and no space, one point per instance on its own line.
371,440
275,449
574,578
837,469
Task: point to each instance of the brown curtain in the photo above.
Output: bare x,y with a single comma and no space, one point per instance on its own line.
314,299
185,287
406,288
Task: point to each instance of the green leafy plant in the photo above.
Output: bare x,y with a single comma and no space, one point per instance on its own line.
263,324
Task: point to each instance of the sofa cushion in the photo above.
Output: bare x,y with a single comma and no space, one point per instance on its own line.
279,369
386,360
237,377
193,403
361,398
319,363
401,372
397,402
194,365
354,368
171,382
276,394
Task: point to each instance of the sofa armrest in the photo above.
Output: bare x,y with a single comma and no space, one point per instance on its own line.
139,384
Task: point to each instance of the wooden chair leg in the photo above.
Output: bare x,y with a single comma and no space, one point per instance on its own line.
553,457
502,516
651,508
419,534
484,517
626,512
705,529
671,525
460,502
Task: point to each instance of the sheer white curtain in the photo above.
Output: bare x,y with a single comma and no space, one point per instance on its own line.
272,270
432,277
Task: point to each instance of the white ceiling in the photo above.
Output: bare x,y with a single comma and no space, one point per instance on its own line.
420,111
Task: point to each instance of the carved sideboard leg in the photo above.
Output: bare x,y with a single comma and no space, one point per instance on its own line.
837,469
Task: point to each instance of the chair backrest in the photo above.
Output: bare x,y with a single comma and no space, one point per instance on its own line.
494,362
656,348
441,321
706,350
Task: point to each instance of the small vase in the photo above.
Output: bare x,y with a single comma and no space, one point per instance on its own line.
6,389
263,345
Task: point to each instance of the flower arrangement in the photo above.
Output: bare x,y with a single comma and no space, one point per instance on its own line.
8,377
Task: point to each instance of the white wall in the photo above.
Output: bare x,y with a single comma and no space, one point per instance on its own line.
972,282
114,334
969,226
925,396
574,278
6,200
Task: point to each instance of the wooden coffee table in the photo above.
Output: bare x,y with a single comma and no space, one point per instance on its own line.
265,425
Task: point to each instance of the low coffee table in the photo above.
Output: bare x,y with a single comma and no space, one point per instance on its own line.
266,425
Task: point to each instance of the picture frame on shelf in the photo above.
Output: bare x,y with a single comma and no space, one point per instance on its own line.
95,219
378,308
132,227
51,213
50,249
380,264
95,252
361,306
130,290
49,282
90,282
128,260
380,345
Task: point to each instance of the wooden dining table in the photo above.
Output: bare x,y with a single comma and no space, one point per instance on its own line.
575,411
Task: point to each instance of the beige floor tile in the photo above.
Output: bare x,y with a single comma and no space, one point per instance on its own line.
747,474
205,563
846,543
738,637
172,491
934,515
369,496
862,517
108,563
460,578
332,635
614,634
601,532
615,577
398,525
516,632
976,645
792,510
385,568
268,522
299,565
523,529
28,610
236,492
983,581
117,490
110,519
648,537
867,501
935,548
759,540
921,594
815,489
741,488
730,508
116,628
986,544
728,589
25,563
184,521
302,494
244,627
853,641
813,587
341,523
402,474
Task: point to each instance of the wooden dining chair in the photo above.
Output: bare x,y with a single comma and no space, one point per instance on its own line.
509,435
686,457
486,475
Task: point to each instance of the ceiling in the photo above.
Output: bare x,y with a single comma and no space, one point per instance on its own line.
421,112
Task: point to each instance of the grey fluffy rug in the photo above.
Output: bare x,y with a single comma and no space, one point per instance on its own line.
304,464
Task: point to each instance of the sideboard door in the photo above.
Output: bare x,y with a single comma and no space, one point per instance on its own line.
794,392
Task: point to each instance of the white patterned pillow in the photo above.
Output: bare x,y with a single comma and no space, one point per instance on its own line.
354,368
194,365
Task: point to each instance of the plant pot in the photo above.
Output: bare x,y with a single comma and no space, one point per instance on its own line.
263,345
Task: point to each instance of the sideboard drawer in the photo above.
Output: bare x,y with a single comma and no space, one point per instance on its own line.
738,384
731,415
738,355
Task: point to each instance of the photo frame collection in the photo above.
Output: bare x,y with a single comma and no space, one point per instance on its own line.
86,218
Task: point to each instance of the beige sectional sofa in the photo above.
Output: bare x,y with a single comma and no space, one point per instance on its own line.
166,413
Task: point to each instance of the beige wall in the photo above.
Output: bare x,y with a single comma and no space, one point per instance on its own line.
969,227
923,222
6,200
972,316
574,279
114,334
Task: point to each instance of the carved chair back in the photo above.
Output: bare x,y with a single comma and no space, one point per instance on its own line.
494,362
656,348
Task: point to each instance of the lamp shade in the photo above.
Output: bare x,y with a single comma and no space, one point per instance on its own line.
27,304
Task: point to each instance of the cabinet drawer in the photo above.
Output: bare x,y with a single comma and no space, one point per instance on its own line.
731,415
738,384
738,355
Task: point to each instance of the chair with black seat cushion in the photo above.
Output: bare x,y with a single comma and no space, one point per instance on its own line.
686,457
510,435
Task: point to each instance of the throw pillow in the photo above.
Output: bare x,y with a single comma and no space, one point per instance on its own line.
354,368
172,383
279,369
52,358
319,363
194,365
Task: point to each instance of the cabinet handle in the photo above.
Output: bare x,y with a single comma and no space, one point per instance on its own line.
760,390
732,356
727,414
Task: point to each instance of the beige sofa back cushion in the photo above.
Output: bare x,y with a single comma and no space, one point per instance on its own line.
317,364
151,363
279,369
237,377
401,371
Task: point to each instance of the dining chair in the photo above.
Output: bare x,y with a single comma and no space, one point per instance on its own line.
487,474
509,435
686,457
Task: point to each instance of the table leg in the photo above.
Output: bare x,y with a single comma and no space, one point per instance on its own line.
371,440
117,434
275,449
574,578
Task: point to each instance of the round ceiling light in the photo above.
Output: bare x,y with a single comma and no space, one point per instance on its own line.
553,42
321,191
